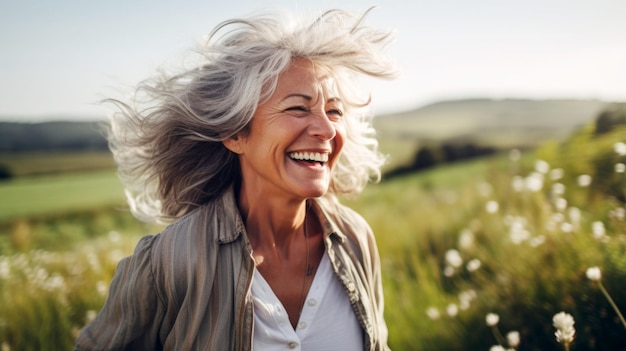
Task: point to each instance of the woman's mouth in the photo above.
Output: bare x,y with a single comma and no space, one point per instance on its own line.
311,157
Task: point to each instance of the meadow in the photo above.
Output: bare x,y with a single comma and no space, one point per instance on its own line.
474,254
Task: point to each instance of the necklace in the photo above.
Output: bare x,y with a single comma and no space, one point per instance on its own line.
308,270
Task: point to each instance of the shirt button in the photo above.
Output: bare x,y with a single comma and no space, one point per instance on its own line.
312,302
292,345
302,325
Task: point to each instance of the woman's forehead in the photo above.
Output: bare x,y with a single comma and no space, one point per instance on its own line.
305,77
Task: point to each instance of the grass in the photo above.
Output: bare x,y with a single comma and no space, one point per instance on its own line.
48,296
531,246
41,163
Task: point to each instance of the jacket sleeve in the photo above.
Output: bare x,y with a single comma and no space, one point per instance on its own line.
131,315
377,287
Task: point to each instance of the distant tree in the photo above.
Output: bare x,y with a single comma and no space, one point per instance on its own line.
609,118
51,136
454,152
424,158
5,172
451,152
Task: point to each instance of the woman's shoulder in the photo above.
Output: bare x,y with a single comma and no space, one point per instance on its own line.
343,216
186,232
199,233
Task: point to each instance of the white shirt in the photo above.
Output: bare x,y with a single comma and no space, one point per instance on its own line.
327,321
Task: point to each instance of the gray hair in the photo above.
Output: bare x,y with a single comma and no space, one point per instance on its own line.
167,141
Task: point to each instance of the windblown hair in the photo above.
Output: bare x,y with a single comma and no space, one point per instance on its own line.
167,141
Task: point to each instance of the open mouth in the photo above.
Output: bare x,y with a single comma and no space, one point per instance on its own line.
311,157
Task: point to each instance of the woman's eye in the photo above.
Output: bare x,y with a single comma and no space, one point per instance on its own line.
298,108
335,112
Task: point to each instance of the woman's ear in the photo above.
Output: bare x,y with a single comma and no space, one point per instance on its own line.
234,144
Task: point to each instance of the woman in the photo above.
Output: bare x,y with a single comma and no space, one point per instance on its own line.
246,154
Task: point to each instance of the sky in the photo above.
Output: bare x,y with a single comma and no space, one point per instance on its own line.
59,58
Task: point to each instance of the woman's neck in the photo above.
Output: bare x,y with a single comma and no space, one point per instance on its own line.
271,221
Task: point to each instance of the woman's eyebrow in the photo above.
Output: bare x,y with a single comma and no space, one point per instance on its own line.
304,96
309,98
333,99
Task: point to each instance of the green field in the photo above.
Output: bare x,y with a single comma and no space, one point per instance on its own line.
494,235
60,193
42,163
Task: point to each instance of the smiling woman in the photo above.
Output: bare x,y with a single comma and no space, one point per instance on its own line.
290,134
246,155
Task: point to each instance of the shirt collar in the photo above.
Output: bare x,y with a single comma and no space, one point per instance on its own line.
320,206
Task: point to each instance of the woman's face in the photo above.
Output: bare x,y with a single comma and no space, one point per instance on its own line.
295,137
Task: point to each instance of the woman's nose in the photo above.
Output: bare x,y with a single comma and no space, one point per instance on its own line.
322,127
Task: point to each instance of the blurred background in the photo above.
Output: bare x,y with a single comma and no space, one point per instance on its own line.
505,181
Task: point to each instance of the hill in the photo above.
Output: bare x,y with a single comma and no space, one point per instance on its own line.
503,123
500,123
18,137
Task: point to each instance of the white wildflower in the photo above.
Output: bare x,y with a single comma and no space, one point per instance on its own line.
90,315
492,319
534,182
618,213
542,166
517,230
513,339
39,276
54,282
93,261
466,239
560,204
473,265
454,259
620,148
518,183
557,217
598,230
466,297
558,189
492,206
556,173
452,310
433,313
5,268
448,271
620,167
537,240
469,294
574,214
101,287
564,324
584,180
594,273
567,227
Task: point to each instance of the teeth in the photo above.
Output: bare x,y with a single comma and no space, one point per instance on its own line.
309,156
